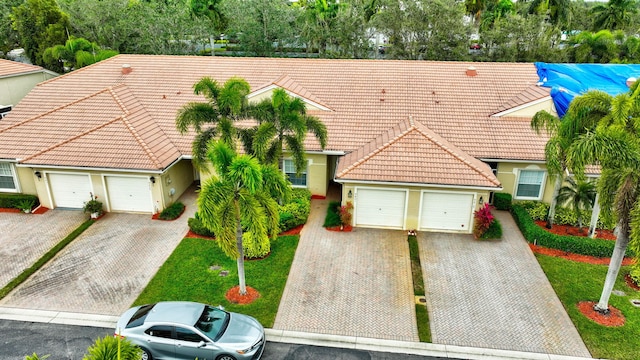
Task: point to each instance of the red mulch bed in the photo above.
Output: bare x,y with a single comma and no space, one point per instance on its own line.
191,234
40,210
10,210
577,257
156,216
631,283
337,228
318,197
574,231
234,297
613,319
295,231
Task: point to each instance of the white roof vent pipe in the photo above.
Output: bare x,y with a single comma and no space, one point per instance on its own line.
471,71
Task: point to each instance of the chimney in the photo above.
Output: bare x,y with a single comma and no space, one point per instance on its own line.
126,69
471,71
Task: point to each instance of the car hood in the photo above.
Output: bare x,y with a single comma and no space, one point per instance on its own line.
242,330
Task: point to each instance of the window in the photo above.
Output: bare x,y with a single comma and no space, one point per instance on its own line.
187,335
162,331
530,184
7,181
290,171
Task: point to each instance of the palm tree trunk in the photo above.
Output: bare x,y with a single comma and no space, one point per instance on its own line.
595,214
240,261
552,208
614,268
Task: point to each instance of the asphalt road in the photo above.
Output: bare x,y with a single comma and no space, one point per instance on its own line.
18,339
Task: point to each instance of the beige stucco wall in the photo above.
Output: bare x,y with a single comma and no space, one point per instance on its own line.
531,110
27,180
508,173
14,88
178,177
412,220
317,180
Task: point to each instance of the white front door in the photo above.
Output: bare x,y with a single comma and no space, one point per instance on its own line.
383,208
129,194
442,211
70,190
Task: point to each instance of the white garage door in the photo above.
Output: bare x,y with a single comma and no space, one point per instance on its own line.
446,212
70,190
380,208
129,193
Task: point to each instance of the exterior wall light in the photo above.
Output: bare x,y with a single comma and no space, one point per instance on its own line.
38,174
152,179
350,194
481,201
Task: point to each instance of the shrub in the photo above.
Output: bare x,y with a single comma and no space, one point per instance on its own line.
13,200
172,211
494,231
483,219
574,244
502,201
107,348
333,215
26,205
345,213
537,210
93,205
255,248
295,213
196,225
635,273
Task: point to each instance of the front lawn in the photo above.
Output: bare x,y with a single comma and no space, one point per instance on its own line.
187,275
575,282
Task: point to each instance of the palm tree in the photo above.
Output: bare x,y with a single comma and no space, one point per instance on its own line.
580,195
615,146
239,198
283,120
558,11
76,53
615,14
214,118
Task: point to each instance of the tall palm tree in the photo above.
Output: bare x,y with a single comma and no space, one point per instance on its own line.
559,11
615,14
215,118
579,194
239,198
283,121
615,146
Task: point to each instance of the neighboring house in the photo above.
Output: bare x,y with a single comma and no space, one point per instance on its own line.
413,144
16,80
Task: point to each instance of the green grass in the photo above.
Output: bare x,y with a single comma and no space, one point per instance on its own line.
422,316
186,276
44,259
575,282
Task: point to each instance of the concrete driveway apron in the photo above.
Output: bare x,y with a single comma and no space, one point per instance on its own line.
349,283
493,294
25,238
104,270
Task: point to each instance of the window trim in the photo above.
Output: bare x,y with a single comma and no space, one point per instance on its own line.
14,174
542,184
306,174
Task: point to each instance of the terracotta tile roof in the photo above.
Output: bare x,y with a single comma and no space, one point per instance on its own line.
12,68
412,153
530,94
286,83
367,98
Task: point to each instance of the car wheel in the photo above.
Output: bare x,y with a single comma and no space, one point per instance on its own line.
146,355
225,357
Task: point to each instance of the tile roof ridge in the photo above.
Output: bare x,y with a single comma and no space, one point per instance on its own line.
456,152
117,98
38,153
141,142
55,109
392,139
304,94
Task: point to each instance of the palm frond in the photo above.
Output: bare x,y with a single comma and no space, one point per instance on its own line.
595,100
233,96
218,212
296,149
246,173
207,87
271,211
543,120
262,140
318,129
227,131
221,156
195,115
200,147
275,183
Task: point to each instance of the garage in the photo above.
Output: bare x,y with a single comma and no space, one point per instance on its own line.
69,190
129,193
384,208
446,211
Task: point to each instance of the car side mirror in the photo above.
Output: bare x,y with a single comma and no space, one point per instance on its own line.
202,344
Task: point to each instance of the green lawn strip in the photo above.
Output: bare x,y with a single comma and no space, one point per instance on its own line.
186,275
44,259
422,316
574,282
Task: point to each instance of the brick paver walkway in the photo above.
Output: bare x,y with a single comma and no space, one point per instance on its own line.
349,283
493,294
104,270
24,238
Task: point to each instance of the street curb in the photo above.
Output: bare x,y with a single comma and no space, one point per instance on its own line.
303,338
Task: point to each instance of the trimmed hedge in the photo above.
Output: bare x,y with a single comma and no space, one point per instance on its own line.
333,215
296,211
172,211
494,231
14,200
502,201
574,244
197,227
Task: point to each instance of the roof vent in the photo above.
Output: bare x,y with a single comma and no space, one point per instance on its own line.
126,69
631,81
471,71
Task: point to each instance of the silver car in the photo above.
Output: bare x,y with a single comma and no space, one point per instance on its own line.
188,330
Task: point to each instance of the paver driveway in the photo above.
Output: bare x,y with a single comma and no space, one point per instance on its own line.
104,269
25,238
493,294
349,283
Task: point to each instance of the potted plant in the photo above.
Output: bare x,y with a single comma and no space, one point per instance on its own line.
93,207
26,205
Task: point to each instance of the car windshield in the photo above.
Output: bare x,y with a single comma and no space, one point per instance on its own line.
213,322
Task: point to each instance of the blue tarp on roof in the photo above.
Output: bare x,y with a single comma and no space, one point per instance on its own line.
570,80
